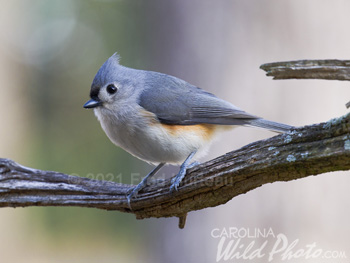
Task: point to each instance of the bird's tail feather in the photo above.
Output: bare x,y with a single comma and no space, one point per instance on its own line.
270,125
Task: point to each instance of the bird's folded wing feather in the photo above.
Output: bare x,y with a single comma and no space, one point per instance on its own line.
175,101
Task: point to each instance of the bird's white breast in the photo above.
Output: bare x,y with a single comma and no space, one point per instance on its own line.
140,133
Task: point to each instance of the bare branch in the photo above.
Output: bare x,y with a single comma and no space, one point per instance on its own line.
309,69
308,150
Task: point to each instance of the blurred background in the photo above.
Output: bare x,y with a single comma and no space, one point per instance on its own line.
49,54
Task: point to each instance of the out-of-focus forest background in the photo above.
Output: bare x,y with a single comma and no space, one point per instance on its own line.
49,54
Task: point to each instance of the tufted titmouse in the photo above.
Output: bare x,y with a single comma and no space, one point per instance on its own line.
160,118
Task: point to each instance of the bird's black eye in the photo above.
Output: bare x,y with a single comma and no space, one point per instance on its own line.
111,89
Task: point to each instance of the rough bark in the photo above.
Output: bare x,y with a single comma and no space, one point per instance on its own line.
305,151
331,69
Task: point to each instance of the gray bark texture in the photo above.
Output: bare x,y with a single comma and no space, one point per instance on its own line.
331,69
305,151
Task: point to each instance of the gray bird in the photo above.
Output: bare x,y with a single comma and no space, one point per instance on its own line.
162,119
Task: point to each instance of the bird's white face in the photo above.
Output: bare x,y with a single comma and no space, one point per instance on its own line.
113,96
108,95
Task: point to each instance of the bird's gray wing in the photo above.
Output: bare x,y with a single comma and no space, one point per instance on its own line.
175,101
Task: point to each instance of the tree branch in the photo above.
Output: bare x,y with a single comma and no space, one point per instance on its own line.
309,69
308,150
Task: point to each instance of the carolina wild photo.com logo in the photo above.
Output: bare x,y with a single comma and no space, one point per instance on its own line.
240,244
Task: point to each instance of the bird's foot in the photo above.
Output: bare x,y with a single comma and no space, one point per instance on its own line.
133,193
175,182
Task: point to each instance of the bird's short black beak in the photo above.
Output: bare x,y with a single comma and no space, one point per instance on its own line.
92,104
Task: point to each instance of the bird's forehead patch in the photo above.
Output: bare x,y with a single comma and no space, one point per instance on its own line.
94,92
